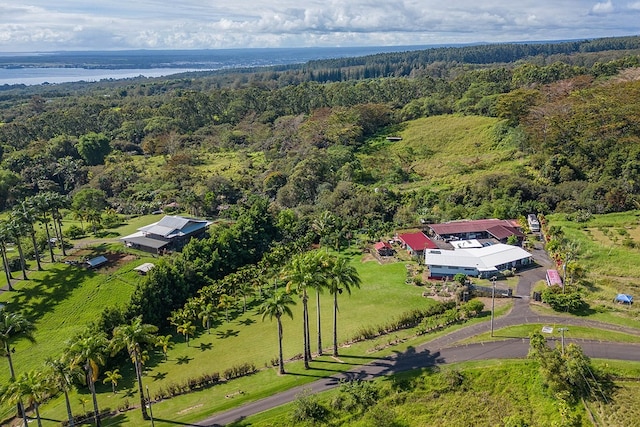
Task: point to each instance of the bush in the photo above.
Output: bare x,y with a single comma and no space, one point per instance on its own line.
239,371
307,408
74,232
569,301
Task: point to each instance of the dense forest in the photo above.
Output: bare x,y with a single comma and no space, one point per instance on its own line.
288,156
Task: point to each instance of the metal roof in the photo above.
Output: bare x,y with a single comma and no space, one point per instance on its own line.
481,258
471,226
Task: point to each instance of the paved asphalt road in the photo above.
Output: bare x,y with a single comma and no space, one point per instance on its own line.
444,349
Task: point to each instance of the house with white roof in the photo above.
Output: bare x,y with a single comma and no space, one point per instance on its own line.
486,261
170,233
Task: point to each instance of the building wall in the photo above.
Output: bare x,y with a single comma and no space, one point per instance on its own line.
437,271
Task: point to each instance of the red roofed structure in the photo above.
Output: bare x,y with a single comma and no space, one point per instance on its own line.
499,229
416,243
383,249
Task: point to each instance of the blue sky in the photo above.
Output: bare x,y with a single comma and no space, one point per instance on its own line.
46,25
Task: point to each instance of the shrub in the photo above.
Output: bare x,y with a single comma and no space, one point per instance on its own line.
74,232
307,408
238,371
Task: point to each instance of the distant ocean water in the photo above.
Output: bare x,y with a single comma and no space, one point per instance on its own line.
62,67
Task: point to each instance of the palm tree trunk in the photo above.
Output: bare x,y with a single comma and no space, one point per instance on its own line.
5,263
92,388
69,413
35,248
38,414
319,325
22,263
59,220
280,358
335,324
21,411
143,405
305,330
46,227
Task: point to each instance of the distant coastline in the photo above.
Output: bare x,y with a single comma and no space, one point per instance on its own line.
63,67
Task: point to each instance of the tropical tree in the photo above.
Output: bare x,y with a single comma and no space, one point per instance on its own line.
32,386
342,278
300,274
62,374
14,326
277,306
226,302
89,351
25,213
165,343
133,337
186,329
16,228
5,237
207,313
112,377
42,204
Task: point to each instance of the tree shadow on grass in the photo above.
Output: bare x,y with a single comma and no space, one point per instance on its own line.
228,333
247,322
114,420
206,346
159,376
183,360
42,295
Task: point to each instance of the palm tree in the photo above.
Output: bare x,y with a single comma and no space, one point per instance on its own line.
207,312
277,306
26,214
5,237
12,326
165,343
112,377
17,229
342,277
89,352
186,329
62,375
300,274
57,202
226,302
133,337
31,386
42,205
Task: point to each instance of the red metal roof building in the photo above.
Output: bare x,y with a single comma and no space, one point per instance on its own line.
416,243
383,248
500,229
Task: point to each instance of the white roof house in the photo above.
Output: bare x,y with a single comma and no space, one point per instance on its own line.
482,262
169,232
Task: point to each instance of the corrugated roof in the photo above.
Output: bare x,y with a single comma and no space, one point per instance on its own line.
471,226
417,241
94,262
481,258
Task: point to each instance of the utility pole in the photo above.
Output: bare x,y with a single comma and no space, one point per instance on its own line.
493,302
562,331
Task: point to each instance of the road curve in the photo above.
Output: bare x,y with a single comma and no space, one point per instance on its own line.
444,350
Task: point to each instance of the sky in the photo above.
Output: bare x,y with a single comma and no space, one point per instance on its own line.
54,25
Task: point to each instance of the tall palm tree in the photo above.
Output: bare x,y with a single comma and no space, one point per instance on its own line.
57,202
62,376
277,306
5,237
342,277
25,212
89,352
133,337
33,387
226,302
42,205
17,230
299,275
13,326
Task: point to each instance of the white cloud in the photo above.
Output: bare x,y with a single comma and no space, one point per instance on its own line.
118,24
606,7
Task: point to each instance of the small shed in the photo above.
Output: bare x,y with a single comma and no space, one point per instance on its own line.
97,261
144,268
384,249
624,299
